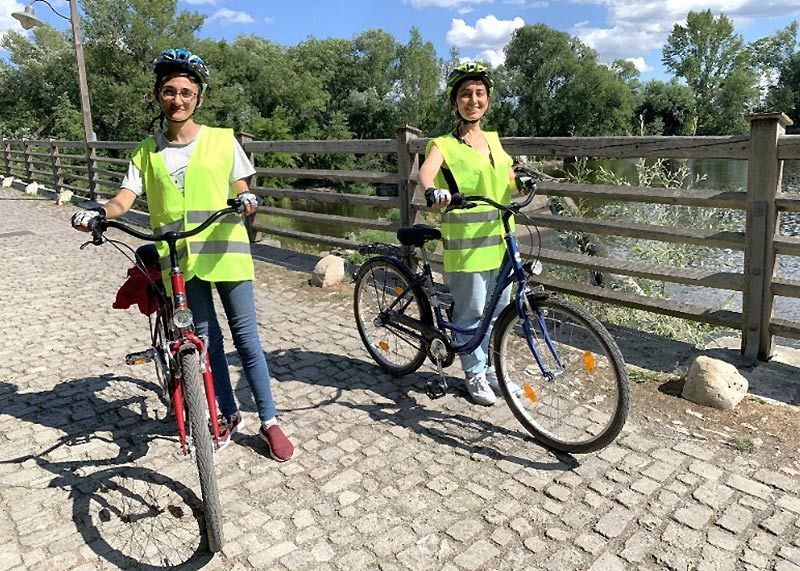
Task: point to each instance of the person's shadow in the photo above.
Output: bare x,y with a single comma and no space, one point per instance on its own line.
397,401
106,424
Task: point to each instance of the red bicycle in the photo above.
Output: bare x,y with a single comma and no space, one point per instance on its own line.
180,356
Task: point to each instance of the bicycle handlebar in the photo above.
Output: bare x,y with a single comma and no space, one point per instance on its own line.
459,200
99,225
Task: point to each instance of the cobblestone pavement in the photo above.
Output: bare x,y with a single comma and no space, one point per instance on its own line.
383,478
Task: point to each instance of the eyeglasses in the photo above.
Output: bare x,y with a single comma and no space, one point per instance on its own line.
186,94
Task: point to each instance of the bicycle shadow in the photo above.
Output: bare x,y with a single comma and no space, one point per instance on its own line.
398,403
107,423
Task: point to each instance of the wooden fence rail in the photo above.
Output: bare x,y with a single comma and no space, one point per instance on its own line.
95,170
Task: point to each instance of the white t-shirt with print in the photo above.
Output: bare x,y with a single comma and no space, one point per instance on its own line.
176,157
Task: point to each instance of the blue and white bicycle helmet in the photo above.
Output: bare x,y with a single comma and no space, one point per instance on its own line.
180,60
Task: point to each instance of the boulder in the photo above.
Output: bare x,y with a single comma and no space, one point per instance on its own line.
8,181
714,383
328,271
32,188
63,197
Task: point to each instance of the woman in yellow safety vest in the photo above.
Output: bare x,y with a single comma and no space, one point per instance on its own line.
187,172
471,161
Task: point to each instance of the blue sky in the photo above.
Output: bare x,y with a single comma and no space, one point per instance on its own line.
629,29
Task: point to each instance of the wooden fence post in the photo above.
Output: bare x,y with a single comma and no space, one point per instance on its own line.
407,166
249,221
28,158
764,172
55,162
6,157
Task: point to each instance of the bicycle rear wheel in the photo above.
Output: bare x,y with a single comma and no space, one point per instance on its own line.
578,400
196,410
379,282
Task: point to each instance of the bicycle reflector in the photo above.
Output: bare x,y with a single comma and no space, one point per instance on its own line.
182,318
589,362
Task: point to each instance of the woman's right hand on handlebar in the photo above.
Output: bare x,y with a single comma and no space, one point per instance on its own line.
438,197
82,220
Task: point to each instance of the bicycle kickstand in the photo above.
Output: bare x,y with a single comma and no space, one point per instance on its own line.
436,388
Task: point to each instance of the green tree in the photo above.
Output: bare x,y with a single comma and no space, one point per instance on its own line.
713,60
417,89
557,87
666,109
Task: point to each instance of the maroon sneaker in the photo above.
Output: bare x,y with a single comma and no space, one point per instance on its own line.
280,448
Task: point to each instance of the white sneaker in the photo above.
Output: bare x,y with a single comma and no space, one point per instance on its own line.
494,384
479,389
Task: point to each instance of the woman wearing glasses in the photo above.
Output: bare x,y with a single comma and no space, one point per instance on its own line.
186,171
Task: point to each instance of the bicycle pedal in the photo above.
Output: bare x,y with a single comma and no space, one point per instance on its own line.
140,357
436,389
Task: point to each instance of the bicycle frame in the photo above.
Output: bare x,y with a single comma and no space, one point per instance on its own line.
512,270
179,324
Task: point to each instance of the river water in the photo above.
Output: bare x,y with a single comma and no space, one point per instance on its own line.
732,175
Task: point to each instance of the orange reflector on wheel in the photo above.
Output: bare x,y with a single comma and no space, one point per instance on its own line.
589,362
398,290
383,345
530,393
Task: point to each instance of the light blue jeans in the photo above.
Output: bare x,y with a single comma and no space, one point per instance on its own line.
240,309
470,292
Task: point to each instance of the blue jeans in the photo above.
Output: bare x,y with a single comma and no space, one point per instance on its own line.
470,292
240,309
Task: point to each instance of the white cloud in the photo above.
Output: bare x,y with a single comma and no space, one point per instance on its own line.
640,64
488,33
494,57
639,26
6,21
267,20
444,3
226,16
200,2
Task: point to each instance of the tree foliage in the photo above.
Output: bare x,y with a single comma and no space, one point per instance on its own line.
551,84
715,63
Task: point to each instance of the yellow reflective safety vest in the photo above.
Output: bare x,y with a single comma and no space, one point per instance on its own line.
473,238
221,252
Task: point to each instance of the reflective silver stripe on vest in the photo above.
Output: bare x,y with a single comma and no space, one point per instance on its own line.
165,260
176,226
220,247
470,243
200,216
469,217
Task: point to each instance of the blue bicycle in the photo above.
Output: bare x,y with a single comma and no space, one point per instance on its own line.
559,370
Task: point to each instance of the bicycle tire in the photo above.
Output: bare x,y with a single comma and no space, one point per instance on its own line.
584,407
378,282
196,409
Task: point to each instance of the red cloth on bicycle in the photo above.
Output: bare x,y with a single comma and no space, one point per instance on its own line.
136,290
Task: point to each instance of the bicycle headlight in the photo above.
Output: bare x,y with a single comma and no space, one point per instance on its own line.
182,318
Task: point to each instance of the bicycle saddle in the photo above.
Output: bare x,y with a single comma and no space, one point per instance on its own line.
417,235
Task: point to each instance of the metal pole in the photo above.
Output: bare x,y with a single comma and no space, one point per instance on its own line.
83,86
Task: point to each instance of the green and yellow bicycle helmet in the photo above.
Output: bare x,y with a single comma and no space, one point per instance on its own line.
467,71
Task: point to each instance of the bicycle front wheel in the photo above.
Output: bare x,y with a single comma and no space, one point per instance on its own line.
380,282
196,410
575,398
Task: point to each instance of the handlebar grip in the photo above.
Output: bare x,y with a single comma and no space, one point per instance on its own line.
235,202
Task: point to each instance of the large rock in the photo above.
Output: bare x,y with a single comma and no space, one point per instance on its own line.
714,383
32,188
8,181
328,271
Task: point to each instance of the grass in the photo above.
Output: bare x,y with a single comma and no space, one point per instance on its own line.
743,444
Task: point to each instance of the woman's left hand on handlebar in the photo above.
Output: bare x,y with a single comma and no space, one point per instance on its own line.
80,220
250,202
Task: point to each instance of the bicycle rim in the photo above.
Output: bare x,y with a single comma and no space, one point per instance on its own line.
378,284
576,398
197,411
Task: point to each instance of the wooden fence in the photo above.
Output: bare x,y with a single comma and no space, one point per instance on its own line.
95,171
